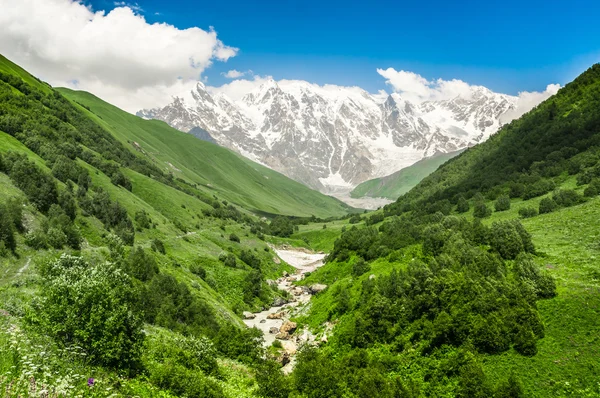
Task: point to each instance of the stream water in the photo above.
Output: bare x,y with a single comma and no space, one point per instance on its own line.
270,321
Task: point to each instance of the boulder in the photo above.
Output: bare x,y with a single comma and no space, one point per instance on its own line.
283,358
248,315
317,288
273,330
263,321
275,315
278,302
288,327
372,276
282,336
285,274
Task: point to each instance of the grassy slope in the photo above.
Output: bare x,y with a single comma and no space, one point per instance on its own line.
568,245
402,181
213,168
12,69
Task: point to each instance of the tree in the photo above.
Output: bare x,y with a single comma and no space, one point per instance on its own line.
463,205
481,210
502,203
142,265
7,232
509,239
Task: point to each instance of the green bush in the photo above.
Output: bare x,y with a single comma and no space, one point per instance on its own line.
91,307
480,210
547,205
463,205
158,246
566,197
502,203
509,239
234,238
528,212
360,267
7,231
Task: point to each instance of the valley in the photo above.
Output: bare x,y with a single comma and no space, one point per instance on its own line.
138,260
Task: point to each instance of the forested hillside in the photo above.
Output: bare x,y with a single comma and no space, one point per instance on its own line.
125,262
479,282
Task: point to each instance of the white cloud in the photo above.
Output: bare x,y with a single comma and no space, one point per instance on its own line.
236,89
236,74
527,101
116,55
416,88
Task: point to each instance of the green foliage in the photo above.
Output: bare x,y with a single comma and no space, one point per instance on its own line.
271,382
528,212
593,189
360,267
375,219
502,203
234,238
250,258
281,226
142,220
244,345
463,205
228,259
510,239
547,205
481,210
7,229
355,219
158,246
141,265
39,187
566,197
90,306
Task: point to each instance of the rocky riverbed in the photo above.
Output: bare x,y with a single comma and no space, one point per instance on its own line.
275,322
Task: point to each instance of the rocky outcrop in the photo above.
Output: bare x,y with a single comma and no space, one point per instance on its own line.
317,288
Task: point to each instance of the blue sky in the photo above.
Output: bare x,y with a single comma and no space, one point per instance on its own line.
508,46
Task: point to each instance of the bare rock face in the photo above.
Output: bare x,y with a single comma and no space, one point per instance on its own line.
335,137
288,327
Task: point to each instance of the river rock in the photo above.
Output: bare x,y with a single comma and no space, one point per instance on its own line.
317,288
282,336
276,260
263,321
276,315
283,358
285,274
273,330
278,302
297,291
248,315
288,327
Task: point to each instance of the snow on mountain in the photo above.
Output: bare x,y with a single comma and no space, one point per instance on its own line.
330,137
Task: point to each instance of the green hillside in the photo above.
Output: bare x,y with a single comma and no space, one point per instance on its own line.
483,280
113,268
212,168
402,181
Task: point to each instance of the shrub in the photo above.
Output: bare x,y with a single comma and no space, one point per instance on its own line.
374,219
566,197
480,210
234,238
355,219
228,259
509,239
360,267
250,258
92,307
538,188
141,265
528,212
547,205
463,205
7,232
158,246
502,203
516,190
142,220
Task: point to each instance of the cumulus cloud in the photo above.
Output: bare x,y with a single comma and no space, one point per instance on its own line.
117,55
236,89
236,74
527,101
416,88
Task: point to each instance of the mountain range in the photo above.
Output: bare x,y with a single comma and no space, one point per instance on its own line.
333,138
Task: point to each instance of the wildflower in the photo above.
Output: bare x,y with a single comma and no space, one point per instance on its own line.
91,382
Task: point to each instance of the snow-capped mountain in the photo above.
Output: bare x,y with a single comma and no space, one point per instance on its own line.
332,137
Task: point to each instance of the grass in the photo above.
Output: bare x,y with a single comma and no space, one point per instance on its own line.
216,170
402,181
